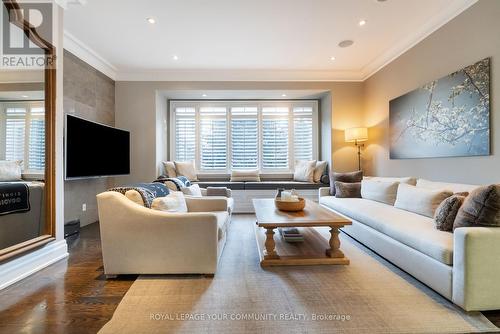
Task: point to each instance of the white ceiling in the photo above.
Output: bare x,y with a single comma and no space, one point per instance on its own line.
249,39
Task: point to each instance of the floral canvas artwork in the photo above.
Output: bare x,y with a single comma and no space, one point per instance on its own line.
448,117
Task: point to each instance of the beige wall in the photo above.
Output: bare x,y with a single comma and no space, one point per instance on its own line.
468,38
136,110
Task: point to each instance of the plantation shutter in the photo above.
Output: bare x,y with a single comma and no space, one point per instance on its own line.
36,153
185,134
303,133
244,138
15,127
213,138
275,138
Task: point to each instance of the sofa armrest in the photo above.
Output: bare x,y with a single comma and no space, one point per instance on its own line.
324,191
476,268
206,204
227,192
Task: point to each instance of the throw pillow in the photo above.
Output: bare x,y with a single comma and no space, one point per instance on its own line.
193,190
134,196
351,177
407,179
319,170
480,208
347,190
10,170
420,200
251,175
170,168
304,170
447,211
186,168
380,191
173,202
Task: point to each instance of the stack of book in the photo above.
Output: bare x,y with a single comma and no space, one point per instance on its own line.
291,234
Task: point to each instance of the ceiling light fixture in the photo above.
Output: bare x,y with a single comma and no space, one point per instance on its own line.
283,95
362,23
204,95
151,20
175,57
346,43
25,96
332,58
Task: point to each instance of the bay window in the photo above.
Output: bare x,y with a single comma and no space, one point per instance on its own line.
221,136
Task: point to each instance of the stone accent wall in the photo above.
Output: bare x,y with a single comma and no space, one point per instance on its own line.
89,94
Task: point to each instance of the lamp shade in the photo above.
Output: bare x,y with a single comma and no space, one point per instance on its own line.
356,134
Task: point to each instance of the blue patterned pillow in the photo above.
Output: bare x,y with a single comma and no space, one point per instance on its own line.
148,191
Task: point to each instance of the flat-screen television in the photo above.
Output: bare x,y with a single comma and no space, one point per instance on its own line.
93,149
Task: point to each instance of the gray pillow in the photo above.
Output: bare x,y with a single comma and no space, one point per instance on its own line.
351,177
447,211
480,208
347,190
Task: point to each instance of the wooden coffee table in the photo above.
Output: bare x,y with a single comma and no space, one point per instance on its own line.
313,250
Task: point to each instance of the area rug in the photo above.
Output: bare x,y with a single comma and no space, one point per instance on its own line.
367,296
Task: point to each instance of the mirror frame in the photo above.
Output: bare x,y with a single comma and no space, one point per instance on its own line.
49,235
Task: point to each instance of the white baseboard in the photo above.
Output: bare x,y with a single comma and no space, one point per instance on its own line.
24,266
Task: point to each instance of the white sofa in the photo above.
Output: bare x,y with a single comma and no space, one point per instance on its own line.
463,266
139,240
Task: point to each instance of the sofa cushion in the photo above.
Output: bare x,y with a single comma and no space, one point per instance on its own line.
407,179
274,185
411,229
453,187
319,170
380,191
420,200
245,175
173,202
304,170
480,208
227,184
187,169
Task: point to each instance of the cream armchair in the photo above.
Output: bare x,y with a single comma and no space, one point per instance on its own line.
139,240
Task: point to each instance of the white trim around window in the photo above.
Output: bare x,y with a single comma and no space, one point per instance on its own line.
278,119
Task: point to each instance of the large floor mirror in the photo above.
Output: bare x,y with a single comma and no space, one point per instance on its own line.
26,139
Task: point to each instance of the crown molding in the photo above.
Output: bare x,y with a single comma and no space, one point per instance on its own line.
78,48
238,75
88,55
434,23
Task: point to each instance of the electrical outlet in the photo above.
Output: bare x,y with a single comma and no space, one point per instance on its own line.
84,207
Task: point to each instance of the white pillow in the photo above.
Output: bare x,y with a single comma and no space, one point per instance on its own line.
170,168
304,170
245,175
455,187
186,168
134,196
408,180
319,170
173,202
193,190
10,170
423,201
379,191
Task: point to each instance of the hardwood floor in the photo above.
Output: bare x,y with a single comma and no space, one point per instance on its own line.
72,296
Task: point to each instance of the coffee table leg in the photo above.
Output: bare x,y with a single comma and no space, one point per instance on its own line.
334,250
270,252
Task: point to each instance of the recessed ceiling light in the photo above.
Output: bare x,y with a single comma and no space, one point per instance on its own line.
332,58
204,95
283,95
151,20
362,23
175,57
24,96
346,43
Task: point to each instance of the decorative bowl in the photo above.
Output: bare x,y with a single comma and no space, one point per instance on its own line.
290,206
